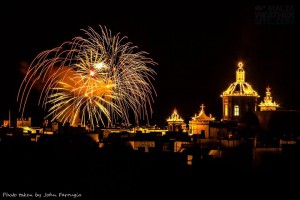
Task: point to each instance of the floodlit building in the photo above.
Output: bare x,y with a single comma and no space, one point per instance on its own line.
199,124
22,122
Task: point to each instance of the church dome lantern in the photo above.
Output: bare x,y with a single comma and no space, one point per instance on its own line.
240,87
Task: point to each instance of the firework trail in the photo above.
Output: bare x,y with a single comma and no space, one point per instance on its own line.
98,79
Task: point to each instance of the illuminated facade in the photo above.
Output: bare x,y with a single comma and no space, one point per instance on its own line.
268,104
239,98
21,122
176,123
200,123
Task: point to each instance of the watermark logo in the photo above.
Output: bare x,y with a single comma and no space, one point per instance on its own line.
274,14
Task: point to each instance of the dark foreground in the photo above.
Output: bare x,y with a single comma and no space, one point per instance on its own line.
93,173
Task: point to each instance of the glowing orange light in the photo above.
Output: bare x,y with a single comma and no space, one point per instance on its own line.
267,103
240,64
175,117
240,87
92,72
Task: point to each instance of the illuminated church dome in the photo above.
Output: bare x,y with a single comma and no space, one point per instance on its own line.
240,87
239,98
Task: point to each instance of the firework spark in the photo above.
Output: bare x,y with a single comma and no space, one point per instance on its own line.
99,78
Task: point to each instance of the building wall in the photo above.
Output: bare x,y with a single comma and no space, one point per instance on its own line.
5,123
21,122
218,132
280,122
178,145
220,143
245,103
262,154
142,144
199,127
176,126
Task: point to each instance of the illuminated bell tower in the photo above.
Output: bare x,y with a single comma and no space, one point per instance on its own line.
176,123
239,97
268,104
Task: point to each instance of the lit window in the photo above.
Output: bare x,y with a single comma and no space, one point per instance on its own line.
236,110
226,110
189,159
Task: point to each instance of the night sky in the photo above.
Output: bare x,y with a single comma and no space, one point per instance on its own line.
197,48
